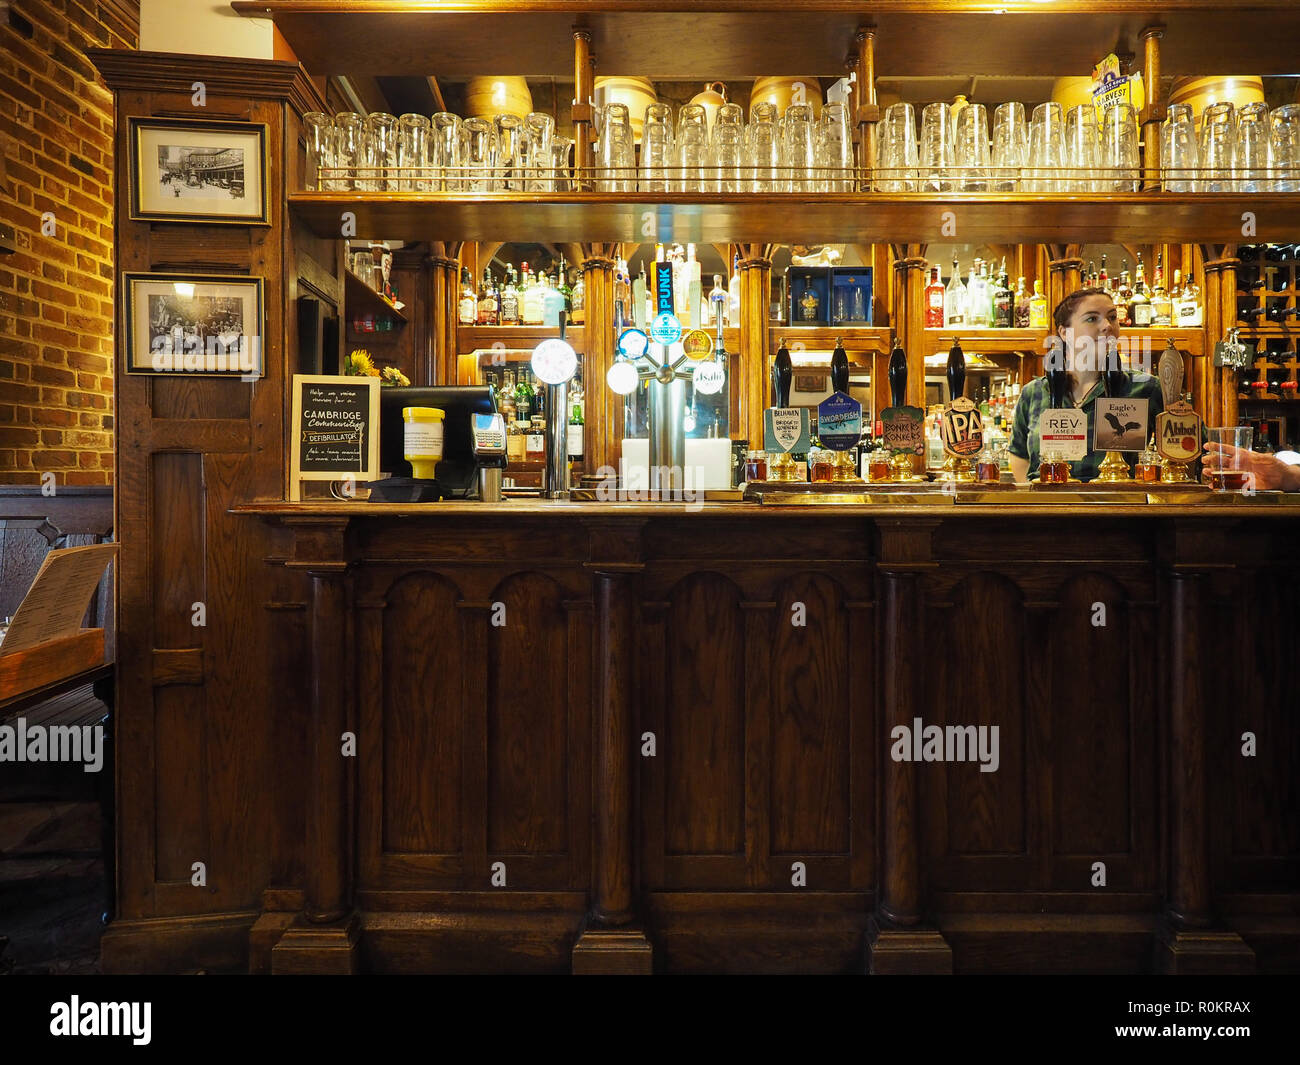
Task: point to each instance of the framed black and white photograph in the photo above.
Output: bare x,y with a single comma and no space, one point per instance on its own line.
198,171
205,324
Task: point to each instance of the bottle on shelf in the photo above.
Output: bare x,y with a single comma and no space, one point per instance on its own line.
934,301
1021,312
622,291
566,290
1038,307
977,297
1090,281
524,397
1263,445
553,303
1187,305
467,309
1141,313
1004,301
1162,312
578,301
717,303
532,309
733,292
506,396
487,301
510,299
1102,280
1124,296
808,303
954,299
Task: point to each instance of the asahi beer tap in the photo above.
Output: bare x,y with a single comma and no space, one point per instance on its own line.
962,428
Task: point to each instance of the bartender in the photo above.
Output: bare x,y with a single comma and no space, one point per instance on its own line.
1086,320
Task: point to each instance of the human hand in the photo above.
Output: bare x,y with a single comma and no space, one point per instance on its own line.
1263,472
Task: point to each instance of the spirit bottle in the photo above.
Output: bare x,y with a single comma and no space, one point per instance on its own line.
1102,280
510,299
1141,313
523,398
575,432
808,304
1161,305
717,302
553,303
733,292
579,301
954,300
934,301
977,297
487,300
1038,307
532,309
1004,302
1187,306
1021,313
506,397
467,312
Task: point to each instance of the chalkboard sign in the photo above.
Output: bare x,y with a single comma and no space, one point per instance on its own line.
335,429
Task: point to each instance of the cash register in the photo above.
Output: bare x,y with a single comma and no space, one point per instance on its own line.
473,448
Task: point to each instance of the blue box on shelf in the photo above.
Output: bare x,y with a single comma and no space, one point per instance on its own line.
808,295
850,295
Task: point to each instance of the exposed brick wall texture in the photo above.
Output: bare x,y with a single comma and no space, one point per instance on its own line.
56,292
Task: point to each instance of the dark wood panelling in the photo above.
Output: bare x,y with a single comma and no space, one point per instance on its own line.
184,398
180,818
200,248
423,722
179,557
702,743
527,745
809,713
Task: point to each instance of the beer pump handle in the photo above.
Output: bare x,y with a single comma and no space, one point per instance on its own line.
839,368
1113,376
782,377
956,371
564,323
898,376
1057,376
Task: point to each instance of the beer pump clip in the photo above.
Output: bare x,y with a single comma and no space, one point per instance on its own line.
1178,427
839,417
962,428
785,428
1062,427
903,426
633,345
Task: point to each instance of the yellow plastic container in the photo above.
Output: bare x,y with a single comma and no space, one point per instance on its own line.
423,440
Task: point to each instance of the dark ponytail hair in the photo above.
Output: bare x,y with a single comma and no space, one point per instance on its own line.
1066,308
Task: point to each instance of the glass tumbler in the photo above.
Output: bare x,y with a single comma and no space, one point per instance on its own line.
1224,465
539,129
835,147
381,155
615,154
1254,148
349,150
692,147
1010,150
318,131
763,148
478,154
727,148
798,148
1180,156
971,148
511,153
897,157
1218,147
656,147
1284,130
1082,149
1046,148
413,153
444,151
936,148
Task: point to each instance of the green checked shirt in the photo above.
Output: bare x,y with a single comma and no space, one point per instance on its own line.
1036,398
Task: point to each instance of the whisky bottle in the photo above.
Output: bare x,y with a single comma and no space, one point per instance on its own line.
1003,304
808,304
1141,313
1022,306
954,300
467,310
510,299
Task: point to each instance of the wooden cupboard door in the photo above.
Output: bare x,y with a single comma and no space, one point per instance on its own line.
760,699
475,735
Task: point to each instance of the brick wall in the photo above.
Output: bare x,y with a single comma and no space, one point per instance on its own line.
56,291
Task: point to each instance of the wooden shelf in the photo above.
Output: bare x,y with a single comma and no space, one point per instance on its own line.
360,301
997,341
472,337
738,39
802,218
873,338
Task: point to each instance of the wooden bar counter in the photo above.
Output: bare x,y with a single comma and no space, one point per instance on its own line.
631,737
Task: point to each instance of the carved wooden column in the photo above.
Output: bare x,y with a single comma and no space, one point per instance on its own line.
326,939
868,110
1219,405
1188,942
1153,114
584,89
445,309
613,941
752,388
909,316
896,940
603,409
1065,275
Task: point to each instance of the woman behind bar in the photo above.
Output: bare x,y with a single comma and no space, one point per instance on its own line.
1086,320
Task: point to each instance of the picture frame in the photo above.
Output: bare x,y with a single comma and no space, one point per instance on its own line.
208,325
198,171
